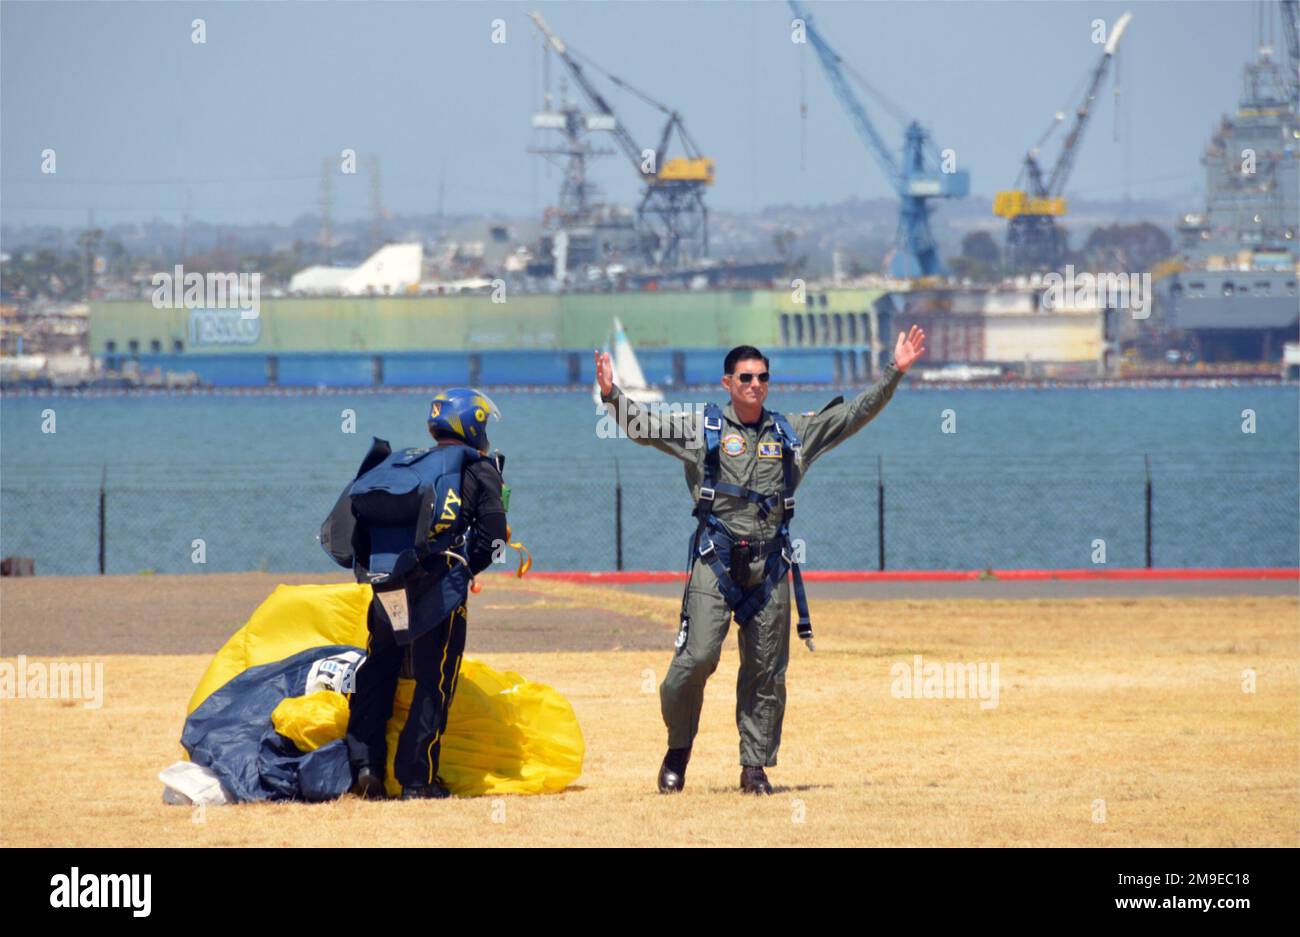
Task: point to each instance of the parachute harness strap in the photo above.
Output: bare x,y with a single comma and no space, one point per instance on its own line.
746,604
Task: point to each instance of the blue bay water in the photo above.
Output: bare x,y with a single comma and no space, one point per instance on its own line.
1031,478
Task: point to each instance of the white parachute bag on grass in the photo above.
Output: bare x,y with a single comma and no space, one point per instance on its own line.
186,784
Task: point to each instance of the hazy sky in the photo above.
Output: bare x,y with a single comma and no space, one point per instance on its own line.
143,120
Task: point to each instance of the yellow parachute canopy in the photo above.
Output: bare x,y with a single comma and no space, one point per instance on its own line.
505,734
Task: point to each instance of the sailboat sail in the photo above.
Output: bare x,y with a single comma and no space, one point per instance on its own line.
626,366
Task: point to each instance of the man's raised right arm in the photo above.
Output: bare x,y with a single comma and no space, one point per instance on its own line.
674,432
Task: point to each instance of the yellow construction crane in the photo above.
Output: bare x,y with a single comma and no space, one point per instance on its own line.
1034,240
672,205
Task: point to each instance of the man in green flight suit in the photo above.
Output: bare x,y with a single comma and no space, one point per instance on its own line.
744,495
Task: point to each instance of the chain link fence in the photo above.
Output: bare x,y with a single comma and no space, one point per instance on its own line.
955,514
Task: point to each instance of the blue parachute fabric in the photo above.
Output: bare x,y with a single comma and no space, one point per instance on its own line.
232,734
289,774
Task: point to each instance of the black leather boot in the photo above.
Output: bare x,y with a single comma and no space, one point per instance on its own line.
369,784
435,791
672,773
754,780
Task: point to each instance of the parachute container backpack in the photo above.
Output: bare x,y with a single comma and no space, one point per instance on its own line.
400,524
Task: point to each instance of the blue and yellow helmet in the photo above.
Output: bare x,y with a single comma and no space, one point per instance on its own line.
463,412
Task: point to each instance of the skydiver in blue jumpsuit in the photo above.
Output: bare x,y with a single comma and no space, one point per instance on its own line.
417,618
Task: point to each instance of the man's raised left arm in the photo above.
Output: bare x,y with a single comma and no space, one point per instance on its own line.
838,422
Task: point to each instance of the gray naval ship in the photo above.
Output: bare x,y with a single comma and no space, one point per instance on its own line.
1231,293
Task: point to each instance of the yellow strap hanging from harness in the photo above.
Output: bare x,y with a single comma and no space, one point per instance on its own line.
525,562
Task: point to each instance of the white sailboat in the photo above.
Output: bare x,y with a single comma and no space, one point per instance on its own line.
627,371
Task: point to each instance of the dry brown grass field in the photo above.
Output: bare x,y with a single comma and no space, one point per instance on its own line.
1137,703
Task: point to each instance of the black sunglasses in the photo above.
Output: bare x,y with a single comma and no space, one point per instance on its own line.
748,377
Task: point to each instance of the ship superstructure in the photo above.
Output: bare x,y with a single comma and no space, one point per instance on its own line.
1232,293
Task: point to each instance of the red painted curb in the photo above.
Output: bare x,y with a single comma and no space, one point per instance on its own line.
953,575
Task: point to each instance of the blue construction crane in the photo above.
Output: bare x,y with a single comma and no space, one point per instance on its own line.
916,178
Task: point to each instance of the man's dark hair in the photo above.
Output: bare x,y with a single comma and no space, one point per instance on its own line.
743,353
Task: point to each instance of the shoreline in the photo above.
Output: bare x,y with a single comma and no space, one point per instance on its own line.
1119,383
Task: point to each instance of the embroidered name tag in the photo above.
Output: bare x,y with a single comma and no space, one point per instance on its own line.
769,449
